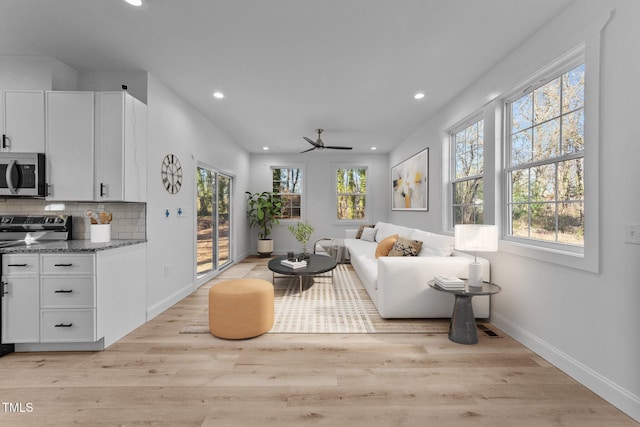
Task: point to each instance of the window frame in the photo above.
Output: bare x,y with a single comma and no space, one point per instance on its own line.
555,73
585,257
460,127
302,191
367,194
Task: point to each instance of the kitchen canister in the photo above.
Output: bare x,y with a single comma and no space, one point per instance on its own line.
100,233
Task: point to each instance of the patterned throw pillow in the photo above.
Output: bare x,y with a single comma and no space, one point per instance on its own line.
385,245
361,229
406,247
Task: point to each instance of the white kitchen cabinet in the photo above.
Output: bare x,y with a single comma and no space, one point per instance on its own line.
120,147
70,145
24,121
20,298
73,301
67,298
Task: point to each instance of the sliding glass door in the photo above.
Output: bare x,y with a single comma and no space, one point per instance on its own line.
213,231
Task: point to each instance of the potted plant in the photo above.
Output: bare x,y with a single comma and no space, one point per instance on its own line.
263,210
302,231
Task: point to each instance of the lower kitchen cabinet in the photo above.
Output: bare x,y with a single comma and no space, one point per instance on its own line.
73,301
20,298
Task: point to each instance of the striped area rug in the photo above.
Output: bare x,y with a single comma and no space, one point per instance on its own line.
340,306
324,306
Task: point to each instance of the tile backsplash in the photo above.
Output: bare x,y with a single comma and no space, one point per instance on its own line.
129,219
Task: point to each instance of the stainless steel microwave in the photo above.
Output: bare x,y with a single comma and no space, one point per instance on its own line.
22,174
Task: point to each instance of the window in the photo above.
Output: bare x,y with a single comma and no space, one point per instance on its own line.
287,184
351,193
545,160
467,146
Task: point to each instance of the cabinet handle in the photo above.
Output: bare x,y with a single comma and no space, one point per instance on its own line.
102,187
3,289
62,265
17,265
62,291
63,325
4,141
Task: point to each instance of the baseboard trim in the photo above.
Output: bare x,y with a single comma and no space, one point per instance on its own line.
169,301
618,396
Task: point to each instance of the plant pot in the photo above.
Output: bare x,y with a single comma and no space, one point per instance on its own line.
265,247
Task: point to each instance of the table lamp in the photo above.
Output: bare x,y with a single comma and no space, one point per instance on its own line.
476,237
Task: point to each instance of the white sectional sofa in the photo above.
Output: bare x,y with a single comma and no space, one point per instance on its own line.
398,284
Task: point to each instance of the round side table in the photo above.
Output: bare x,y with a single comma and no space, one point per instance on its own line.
462,328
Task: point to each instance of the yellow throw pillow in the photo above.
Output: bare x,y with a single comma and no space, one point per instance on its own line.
385,245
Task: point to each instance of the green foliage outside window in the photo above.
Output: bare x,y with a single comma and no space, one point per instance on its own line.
351,190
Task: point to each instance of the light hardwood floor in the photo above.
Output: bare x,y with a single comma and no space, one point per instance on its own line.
157,376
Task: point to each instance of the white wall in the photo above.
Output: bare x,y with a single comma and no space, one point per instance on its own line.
585,323
320,191
175,127
108,81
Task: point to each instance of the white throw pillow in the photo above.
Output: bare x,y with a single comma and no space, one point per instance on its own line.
433,244
369,234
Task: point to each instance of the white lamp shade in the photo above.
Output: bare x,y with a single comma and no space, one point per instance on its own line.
476,237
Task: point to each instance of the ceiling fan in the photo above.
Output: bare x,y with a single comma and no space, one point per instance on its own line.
319,144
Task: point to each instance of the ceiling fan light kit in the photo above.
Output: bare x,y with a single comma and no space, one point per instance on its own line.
319,144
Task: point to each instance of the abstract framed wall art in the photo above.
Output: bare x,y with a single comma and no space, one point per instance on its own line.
410,183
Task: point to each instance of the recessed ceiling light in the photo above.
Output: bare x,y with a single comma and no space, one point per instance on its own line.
265,148
418,95
136,3
218,95
374,148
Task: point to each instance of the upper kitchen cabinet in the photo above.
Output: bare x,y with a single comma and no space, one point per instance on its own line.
120,147
24,121
69,145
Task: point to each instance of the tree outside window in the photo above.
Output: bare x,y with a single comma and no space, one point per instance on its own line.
467,174
287,185
545,171
351,193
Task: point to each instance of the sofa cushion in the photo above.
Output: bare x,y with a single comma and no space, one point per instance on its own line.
361,229
385,230
433,244
406,247
385,245
369,234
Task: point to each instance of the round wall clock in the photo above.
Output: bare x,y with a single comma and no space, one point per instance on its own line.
171,173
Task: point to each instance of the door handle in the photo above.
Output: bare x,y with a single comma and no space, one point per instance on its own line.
10,175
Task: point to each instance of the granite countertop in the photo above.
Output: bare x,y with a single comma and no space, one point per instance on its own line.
69,246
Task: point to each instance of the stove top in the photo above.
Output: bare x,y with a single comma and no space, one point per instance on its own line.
20,230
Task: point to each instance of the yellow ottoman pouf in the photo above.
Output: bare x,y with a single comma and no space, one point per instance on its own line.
241,308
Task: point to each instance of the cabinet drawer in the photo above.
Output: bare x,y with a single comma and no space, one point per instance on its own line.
20,264
68,326
67,264
67,292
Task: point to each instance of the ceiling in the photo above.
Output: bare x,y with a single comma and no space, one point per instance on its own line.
287,67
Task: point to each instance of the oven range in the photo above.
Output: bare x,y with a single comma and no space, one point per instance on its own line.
27,230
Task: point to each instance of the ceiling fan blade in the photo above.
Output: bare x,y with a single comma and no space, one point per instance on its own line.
310,149
338,148
310,141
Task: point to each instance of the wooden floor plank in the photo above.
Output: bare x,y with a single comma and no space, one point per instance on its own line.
157,376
